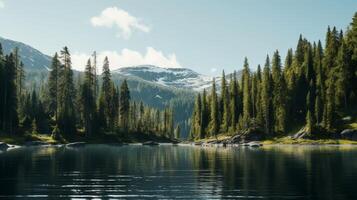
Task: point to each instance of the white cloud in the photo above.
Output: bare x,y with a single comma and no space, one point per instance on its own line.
127,58
213,70
126,23
2,4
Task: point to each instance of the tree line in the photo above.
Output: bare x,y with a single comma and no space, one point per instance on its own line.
314,87
62,106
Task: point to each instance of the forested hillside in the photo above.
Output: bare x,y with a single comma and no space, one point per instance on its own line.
63,107
314,87
36,65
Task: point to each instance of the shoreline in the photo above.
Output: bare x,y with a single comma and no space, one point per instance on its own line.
284,140
219,141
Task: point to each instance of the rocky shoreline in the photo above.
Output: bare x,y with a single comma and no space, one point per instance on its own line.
244,139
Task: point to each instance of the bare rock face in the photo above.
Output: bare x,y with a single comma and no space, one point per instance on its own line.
349,134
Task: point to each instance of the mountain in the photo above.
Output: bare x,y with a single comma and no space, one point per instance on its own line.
33,59
179,78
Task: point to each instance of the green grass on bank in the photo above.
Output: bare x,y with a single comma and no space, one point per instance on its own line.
22,139
352,125
288,140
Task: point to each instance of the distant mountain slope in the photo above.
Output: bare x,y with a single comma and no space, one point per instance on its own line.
33,59
180,78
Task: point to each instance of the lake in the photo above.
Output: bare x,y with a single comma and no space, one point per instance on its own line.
182,172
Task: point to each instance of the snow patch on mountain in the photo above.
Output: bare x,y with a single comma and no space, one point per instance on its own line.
181,78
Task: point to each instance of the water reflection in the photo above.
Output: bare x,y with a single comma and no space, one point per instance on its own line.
166,172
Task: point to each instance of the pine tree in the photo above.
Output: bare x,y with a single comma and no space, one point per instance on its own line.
342,76
88,100
246,91
258,104
124,103
197,120
9,95
329,109
53,86
225,123
67,96
266,97
352,47
320,83
214,126
279,95
310,122
106,97
204,114
331,50
20,73
234,101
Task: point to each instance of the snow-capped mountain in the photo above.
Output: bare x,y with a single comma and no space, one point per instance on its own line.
180,78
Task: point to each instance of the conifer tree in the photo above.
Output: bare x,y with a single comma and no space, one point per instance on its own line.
234,95
342,76
124,103
53,86
9,95
310,122
246,91
279,95
329,108
88,100
197,120
214,126
352,47
266,96
106,97
258,104
225,123
67,95
204,114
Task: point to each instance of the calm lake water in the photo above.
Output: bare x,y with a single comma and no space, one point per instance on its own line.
183,172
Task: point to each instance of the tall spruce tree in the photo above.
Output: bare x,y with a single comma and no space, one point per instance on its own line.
214,122
234,101
204,114
53,86
106,98
342,76
124,103
246,94
67,95
9,95
225,123
88,103
279,94
266,99
197,120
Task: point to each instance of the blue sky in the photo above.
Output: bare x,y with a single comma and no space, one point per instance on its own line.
204,35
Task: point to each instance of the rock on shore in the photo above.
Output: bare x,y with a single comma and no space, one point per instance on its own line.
349,134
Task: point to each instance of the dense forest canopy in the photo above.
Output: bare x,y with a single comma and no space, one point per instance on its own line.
315,87
64,107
